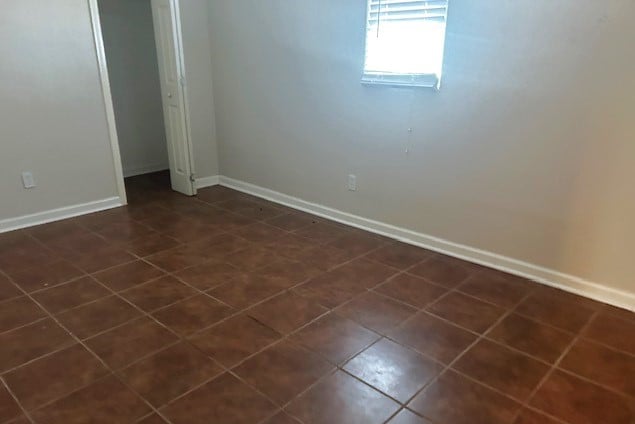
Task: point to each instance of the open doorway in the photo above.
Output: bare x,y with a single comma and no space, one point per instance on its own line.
142,73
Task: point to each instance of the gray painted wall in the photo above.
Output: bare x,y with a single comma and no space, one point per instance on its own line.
134,80
527,150
52,114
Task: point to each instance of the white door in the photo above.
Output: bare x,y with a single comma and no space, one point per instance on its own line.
166,31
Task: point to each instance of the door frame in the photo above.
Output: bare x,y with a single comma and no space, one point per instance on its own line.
102,63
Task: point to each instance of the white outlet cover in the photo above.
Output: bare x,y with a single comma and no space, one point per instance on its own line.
352,182
27,180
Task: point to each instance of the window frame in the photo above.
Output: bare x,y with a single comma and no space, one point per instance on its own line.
401,80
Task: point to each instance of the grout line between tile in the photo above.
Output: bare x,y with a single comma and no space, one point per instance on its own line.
79,341
16,400
284,337
564,353
339,366
468,348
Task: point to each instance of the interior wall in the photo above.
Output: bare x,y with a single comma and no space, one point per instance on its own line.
134,77
527,151
128,35
52,117
198,76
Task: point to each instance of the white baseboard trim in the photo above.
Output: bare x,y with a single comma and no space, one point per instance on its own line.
24,221
207,181
533,272
145,169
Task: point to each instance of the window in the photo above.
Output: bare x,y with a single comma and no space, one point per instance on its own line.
404,42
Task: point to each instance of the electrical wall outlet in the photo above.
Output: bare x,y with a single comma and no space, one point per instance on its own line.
27,179
352,182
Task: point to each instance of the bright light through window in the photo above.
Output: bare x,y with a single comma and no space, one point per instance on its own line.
404,42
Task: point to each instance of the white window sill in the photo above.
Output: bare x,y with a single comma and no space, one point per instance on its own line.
375,83
403,81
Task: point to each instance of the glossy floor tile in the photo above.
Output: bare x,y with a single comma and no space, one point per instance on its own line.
341,398
393,369
226,308
456,399
283,371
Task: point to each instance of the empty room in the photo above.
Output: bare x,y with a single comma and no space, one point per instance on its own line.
303,212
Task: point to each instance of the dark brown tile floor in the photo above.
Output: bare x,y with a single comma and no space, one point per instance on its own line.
225,308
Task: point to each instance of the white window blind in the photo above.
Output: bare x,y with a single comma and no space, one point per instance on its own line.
404,42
